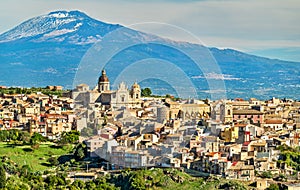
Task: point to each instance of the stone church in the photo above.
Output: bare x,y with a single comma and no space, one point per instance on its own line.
103,96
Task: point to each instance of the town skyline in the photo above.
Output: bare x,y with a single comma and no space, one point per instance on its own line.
244,143
162,94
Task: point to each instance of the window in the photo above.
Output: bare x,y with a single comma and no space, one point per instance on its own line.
228,112
123,98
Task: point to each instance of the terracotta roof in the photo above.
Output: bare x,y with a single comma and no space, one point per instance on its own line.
212,153
247,112
240,125
273,121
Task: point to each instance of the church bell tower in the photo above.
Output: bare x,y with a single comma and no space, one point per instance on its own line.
136,91
103,82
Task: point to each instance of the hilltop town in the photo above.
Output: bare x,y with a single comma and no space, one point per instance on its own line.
248,140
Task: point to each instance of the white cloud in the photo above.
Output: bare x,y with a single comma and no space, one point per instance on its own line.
16,63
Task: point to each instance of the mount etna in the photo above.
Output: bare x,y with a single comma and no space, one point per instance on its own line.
47,50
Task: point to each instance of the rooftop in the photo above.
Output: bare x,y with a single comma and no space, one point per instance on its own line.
247,112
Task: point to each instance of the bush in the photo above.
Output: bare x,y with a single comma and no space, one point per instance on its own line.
146,92
53,161
2,177
266,174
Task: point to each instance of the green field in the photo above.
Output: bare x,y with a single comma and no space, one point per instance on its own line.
37,158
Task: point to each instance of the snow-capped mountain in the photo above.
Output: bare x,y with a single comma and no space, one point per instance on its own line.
60,26
47,49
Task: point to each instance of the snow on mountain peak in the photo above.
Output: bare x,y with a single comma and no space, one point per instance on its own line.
58,24
59,15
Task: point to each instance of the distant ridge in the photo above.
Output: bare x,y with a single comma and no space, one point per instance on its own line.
47,49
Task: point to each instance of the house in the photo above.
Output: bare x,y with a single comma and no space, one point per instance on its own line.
273,125
258,146
261,184
230,134
238,170
255,117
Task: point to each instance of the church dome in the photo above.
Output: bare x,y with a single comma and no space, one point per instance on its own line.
135,85
103,77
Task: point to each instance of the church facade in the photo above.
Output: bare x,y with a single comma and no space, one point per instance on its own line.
102,95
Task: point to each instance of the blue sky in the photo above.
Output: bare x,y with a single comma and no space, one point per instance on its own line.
263,27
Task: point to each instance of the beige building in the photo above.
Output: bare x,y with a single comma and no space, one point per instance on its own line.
194,111
226,113
103,96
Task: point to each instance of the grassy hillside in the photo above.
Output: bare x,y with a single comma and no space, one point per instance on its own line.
35,158
158,178
25,165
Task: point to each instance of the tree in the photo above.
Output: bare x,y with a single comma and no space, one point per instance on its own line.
24,136
36,139
267,174
90,185
14,182
53,161
13,134
51,181
4,135
273,186
146,92
25,170
69,137
78,184
281,177
80,151
2,177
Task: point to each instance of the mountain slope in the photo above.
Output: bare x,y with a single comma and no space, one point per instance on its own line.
72,27
47,49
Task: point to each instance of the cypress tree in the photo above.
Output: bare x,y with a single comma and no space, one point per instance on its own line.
2,177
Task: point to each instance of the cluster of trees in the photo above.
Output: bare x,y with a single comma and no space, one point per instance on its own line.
2,177
52,181
15,136
71,137
146,92
15,176
290,156
17,90
273,186
24,178
127,180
